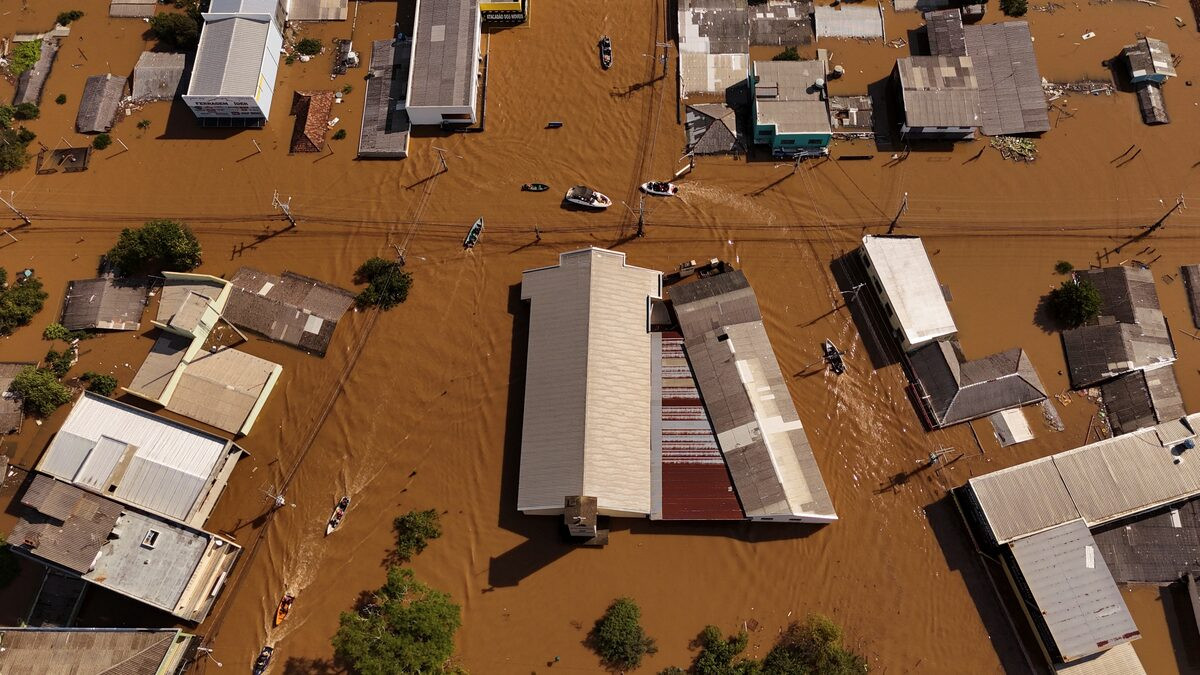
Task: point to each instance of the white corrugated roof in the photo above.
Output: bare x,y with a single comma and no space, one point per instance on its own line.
586,425
1102,482
912,287
1120,660
166,472
229,59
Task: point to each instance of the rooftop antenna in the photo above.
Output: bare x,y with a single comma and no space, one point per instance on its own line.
286,207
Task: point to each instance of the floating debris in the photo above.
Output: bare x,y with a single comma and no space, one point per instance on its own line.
1016,149
1056,90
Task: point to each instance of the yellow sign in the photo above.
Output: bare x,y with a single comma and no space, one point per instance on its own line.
262,82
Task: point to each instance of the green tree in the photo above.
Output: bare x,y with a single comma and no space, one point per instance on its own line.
57,331
65,18
309,46
788,54
27,111
618,637
719,654
60,363
14,152
413,532
1063,267
814,646
7,115
9,567
60,99
179,30
143,124
158,245
100,383
39,390
23,56
101,141
1014,7
404,627
19,302
339,134
1074,303
387,283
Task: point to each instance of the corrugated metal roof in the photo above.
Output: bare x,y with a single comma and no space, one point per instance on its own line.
1120,660
1152,104
944,29
222,388
586,429
939,91
12,411
157,76
445,53
89,651
848,21
1191,281
714,44
317,10
1011,99
105,303
229,59
155,373
177,289
170,465
385,125
959,390
1074,593
68,526
1149,56
1101,482
290,308
746,395
787,97
907,277
98,106
31,82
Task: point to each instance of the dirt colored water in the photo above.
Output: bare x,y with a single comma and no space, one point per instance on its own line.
420,407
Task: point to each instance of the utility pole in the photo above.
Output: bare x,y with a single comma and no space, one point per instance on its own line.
286,207
537,234
1179,203
12,196
641,231
442,158
902,211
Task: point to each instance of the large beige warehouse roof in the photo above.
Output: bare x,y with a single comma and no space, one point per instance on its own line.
587,386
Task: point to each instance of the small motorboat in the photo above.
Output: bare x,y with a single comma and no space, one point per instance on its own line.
263,660
660,188
534,187
606,55
553,125
339,512
285,606
581,195
834,358
472,237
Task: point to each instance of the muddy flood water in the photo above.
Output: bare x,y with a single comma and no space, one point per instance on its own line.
420,407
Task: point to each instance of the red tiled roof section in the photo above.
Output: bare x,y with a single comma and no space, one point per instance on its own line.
312,110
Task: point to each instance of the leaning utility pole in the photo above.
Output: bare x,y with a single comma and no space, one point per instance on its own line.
12,196
286,207
902,211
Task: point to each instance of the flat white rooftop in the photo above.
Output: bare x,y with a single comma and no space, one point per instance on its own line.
903,269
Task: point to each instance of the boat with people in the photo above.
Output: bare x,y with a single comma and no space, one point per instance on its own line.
473,234
263,660
606,54
582,195
339,512
534,187
833,357
660,188
285,606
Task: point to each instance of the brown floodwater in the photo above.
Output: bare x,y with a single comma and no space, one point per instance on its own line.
419,407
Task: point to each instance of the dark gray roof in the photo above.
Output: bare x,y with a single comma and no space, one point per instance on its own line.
290,308
90,651
945,31
1149,56
1153,548
1191,281
1142,399
445,52
780,23
939,91
157,76
1151,103
721,26
385,126
1011,99
98,106
1130,333
31,82
12,411
1073,592
66,525
852,114
959,390
711,128
107,303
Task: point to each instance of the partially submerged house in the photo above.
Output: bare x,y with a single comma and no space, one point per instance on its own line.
901,274
107,303
139,458
98,107
385,125
954,389
288,308
443,76
219,386
939,97
158,76
789,108
312,110
12,408
849,21
714,45
31,82
1038,519
156,560
237,60
711,129
1150,64
135,651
